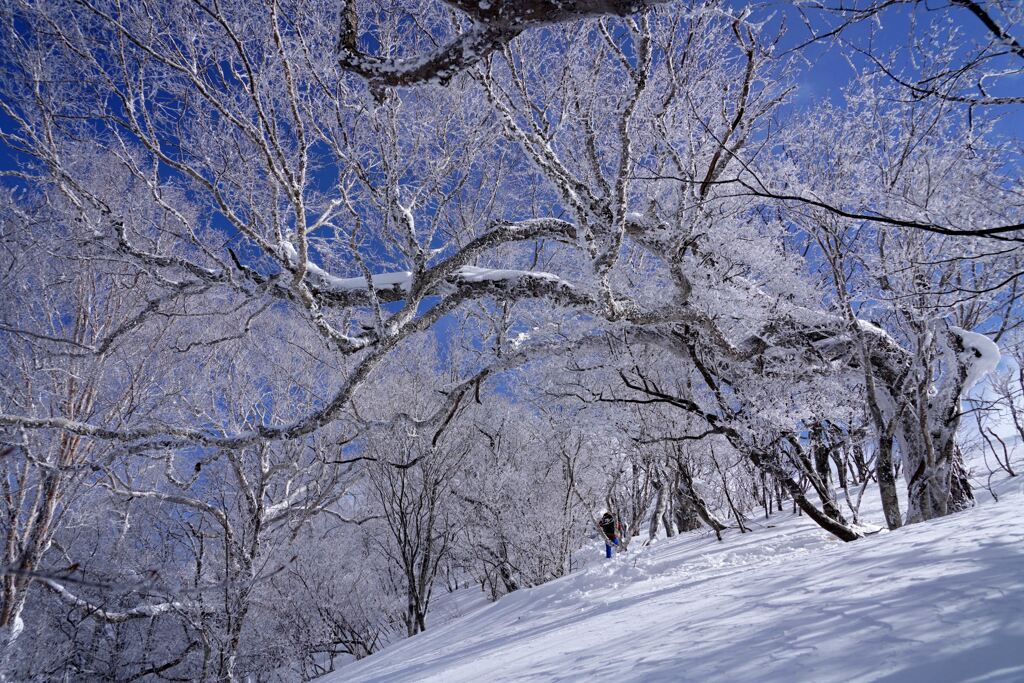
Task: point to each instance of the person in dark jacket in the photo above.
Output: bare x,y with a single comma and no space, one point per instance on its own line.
609,527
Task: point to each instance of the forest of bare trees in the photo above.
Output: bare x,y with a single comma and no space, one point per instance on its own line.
315,311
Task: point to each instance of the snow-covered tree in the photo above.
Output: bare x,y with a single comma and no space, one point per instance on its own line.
440,285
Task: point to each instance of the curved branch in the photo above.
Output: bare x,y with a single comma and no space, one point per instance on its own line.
494,25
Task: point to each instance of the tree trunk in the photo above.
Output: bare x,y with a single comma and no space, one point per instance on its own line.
933,465
860,462
939,488
688,492
686,516
659,507
829,524
887,484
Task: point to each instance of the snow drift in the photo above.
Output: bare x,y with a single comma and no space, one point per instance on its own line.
939,601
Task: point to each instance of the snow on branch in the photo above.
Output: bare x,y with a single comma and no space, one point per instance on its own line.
980,356
467,282
396,285
474,274
97,612
505,233
510,285
325,282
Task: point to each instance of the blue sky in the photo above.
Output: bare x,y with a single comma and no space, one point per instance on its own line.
829,67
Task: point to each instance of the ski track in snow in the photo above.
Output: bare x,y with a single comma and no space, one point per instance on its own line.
935,602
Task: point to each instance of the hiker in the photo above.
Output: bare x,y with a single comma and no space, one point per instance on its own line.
609,527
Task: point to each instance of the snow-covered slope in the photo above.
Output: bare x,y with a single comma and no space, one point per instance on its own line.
935,602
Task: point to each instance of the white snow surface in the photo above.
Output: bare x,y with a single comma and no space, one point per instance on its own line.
935,602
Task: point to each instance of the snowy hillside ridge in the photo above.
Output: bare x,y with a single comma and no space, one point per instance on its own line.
937,602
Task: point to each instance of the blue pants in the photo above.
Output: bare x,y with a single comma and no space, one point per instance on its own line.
608,546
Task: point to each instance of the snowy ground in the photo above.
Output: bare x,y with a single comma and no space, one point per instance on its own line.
934,602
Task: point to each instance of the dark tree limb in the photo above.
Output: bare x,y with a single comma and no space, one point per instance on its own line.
494,25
